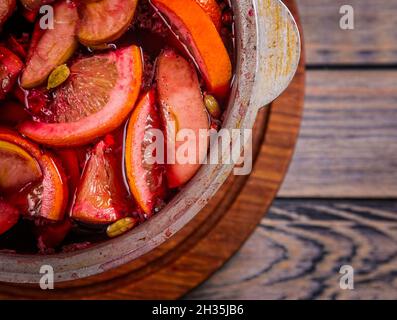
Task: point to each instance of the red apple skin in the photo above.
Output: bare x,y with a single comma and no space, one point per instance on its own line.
181,101
10,67
198,33
9,216
50,52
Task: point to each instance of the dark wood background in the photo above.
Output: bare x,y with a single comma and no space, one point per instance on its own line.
338,203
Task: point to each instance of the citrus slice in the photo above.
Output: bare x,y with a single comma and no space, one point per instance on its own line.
17,167
101,197
7,7
10,67
145,178
182,107
197,31
105,21
54,47
95,100
9,216
212,9
54,192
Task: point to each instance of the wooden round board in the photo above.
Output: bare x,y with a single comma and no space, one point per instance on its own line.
217,232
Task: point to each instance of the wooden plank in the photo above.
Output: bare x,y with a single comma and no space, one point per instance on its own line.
298,250
348,142
373,41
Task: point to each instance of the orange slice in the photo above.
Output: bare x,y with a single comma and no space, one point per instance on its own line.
212,9
105,21
54,195
54,47
95,100
197,31
144,177
17,167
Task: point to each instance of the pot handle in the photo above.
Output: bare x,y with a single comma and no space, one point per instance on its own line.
279,49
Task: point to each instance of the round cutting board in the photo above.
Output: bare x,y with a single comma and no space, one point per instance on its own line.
217,232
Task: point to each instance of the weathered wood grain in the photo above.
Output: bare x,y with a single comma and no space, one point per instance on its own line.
373,41
348,142
347,149
297,252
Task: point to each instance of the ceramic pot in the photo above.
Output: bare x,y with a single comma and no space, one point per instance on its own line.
268,51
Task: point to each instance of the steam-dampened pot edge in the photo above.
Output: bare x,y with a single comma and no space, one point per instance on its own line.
257,82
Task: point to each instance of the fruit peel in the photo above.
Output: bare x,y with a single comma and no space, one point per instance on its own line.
18,167
10,67
121,101
146,182
197,31
50,52
55,192
180,96
105,21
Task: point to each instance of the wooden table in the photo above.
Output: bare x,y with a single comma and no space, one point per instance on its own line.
338,204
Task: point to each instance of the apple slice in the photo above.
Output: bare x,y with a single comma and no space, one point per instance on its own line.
9,216
10,67
52,192
54,47
182,107
199,34
101,196
7,7
105,21
145,180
